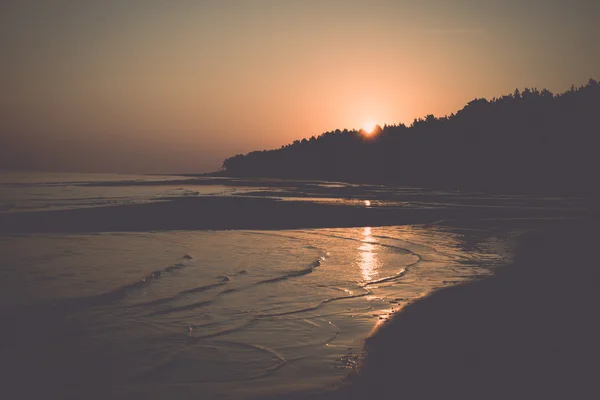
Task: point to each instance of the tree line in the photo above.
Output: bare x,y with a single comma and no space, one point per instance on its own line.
529,140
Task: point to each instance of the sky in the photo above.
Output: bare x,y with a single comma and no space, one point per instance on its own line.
174,86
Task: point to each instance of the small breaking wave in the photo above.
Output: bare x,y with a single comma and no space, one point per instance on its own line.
317,306
388,278
294,274
223,280
166,300
124,291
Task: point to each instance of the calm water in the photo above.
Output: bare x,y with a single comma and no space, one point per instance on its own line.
212,313
38,192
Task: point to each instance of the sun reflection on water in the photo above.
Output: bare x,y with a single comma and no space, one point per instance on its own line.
368,260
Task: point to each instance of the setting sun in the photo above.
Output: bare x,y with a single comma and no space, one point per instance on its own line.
369,127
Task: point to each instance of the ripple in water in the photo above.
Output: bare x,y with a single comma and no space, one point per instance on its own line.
224,312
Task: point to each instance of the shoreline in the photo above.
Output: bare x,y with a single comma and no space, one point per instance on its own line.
476,340
528,331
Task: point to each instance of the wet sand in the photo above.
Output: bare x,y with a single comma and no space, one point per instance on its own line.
531,331
254,213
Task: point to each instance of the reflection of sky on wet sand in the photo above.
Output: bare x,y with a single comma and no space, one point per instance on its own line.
368,261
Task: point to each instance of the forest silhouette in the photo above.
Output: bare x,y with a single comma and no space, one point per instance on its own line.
528,141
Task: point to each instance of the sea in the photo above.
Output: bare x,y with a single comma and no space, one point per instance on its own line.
220,313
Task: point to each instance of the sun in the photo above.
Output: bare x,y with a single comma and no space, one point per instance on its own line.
369,127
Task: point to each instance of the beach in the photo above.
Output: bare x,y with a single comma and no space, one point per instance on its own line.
266,199
270,289
529,331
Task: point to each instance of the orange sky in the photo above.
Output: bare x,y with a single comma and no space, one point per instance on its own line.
157,86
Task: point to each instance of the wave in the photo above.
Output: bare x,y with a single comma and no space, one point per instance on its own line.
317,306
390,278
223,280
191,306
400,274
165,300
294,274
289,275
124,291
399,249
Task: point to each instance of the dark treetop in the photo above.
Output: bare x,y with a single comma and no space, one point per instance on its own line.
529,141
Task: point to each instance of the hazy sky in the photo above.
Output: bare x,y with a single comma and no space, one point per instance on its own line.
177,86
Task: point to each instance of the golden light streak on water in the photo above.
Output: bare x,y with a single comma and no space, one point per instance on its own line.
368,260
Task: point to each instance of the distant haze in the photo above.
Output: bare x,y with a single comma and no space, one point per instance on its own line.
177,86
